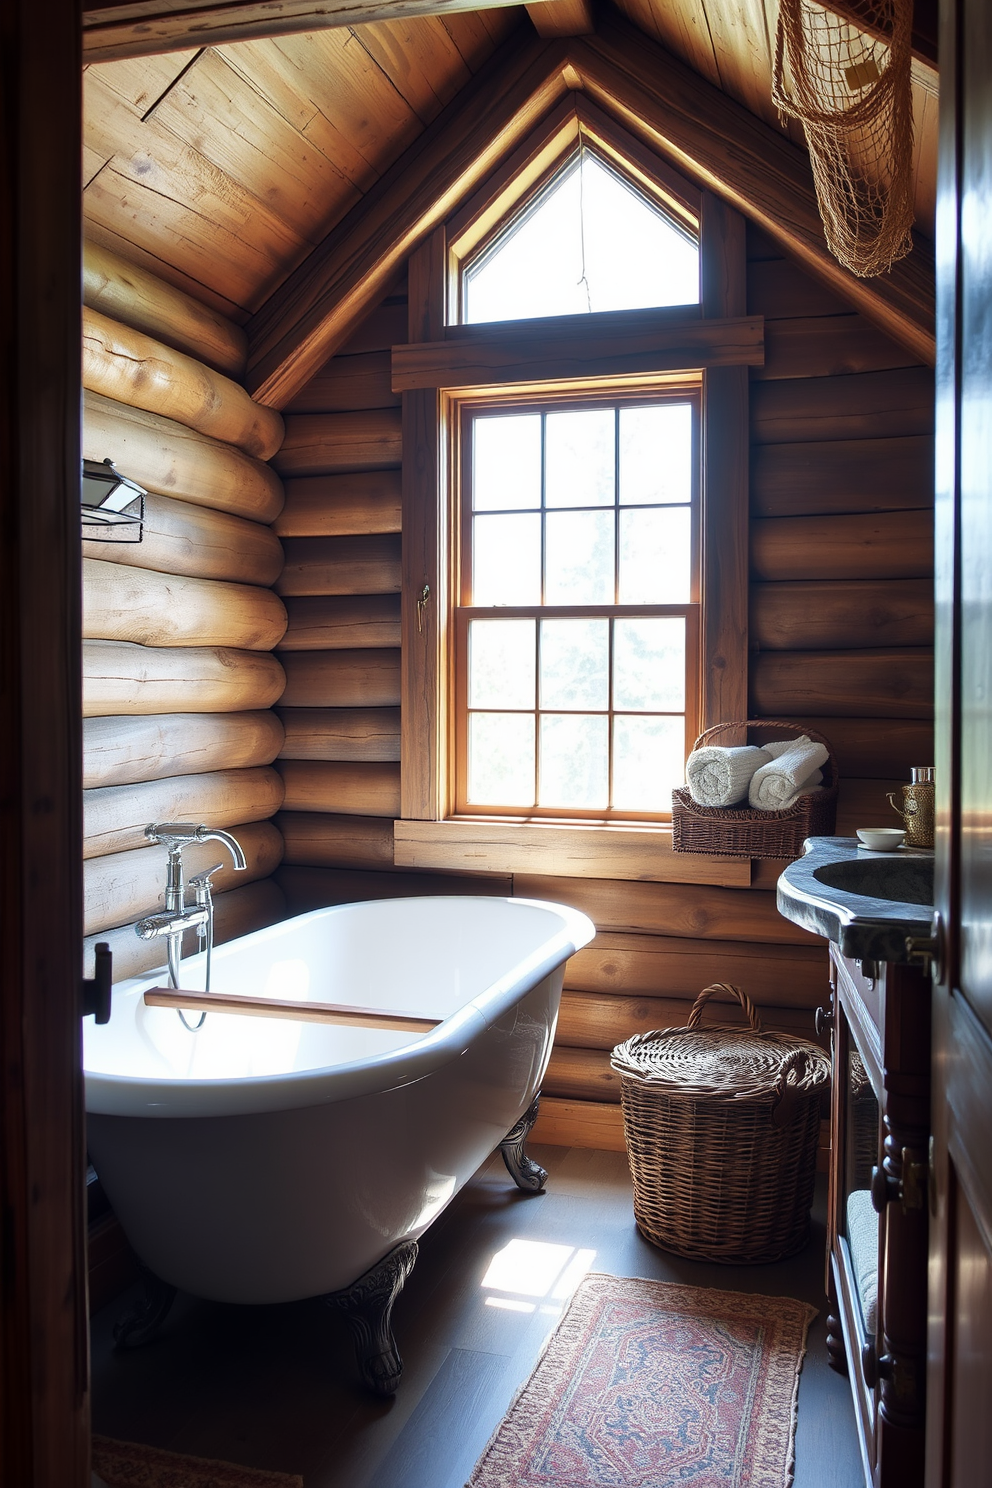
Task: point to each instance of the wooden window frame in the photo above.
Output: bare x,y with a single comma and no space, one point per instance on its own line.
463,611
459,364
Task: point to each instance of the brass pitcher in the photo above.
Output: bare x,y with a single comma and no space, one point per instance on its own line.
917,810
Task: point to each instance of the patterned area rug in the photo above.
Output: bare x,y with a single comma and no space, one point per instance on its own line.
128,1465
647,1385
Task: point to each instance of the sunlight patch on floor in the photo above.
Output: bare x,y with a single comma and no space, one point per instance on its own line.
538,1269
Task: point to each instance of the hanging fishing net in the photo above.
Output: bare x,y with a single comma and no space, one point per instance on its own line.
848,83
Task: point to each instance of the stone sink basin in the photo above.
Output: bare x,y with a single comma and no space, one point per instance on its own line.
866,902
898,878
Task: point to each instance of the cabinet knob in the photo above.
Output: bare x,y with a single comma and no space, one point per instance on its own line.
822,1018
884,1188
869,1363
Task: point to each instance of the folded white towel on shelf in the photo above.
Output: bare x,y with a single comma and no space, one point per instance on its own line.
792,771
720,777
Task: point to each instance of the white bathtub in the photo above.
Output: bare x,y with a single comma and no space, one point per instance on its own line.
263,1160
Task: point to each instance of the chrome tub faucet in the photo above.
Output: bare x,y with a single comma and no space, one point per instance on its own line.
178,916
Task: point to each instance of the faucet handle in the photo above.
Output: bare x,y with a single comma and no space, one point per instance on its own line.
202,880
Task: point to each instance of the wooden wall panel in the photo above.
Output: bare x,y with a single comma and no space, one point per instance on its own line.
341,565
841,635
179,679
324,443
351,789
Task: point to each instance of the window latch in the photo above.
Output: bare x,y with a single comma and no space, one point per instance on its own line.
425,595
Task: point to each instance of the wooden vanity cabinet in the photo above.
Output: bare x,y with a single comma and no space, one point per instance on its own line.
880,1132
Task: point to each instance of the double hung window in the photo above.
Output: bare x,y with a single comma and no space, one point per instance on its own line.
576,624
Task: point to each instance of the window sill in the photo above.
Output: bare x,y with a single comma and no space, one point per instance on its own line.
564,851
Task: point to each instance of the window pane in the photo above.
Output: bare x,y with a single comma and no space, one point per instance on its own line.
501,663
649,665
575,663
655,556
656,454
501,759
648,762
506,560
580,458
579,561
506,462
574,762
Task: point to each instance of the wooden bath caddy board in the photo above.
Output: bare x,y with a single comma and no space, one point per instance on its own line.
280,1007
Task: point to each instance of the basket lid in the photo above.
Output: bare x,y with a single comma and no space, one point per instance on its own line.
725,1061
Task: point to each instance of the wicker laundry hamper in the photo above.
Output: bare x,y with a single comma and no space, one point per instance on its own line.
721,1126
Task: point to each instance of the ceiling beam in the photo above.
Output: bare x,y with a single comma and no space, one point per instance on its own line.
113,29
754,167
663,103
563,17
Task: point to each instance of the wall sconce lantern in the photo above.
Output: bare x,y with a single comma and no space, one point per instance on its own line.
113,507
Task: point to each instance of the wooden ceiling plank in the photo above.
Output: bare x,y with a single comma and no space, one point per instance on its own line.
303,323
232,125
134,28
562,17
750,165
476,34
352,92
680,25
149,154
284,84
739,32
421,60
142,83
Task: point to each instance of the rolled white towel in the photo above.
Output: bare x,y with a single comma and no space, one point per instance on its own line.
796,769
720,777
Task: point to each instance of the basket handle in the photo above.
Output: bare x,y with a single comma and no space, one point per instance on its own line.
695,1017
789,1093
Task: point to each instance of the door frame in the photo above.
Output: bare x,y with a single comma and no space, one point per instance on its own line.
44,1407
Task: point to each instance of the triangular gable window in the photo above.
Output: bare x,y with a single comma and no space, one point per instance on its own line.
589,241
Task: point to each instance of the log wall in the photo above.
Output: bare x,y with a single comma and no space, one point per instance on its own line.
841,630
179,675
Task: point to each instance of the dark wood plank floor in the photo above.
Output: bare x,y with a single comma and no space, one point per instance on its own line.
272,1387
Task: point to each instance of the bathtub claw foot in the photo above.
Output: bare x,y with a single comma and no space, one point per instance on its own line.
368,1306
525,1172
142,1320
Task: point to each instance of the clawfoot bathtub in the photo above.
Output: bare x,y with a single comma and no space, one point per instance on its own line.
265,1160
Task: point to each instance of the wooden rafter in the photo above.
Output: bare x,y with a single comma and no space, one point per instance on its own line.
562,17
113,29
658,99
736,155
300,325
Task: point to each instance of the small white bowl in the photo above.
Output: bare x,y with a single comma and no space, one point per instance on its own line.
881,839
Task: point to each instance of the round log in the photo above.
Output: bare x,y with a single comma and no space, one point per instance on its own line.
351,789
133,368
140,299
341,734
238,912
852,684
119,677
342,622
154,609
581,1074
172,460
317,840
179,538
342,679
342,565
342,505
122,887
124,751
330,443
877,545
115,817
